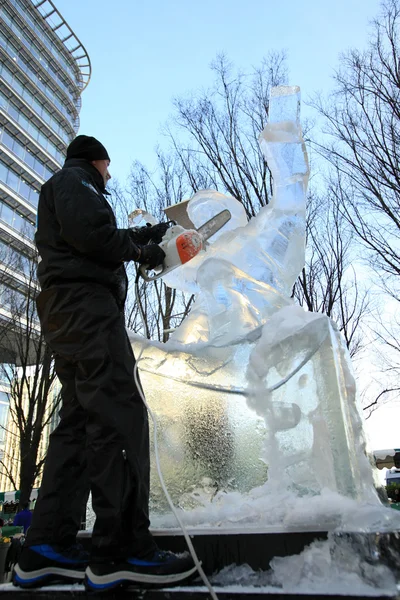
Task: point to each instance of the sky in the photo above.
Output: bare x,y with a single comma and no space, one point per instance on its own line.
146,53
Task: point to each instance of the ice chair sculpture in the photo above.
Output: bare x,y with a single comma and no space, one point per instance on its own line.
252,391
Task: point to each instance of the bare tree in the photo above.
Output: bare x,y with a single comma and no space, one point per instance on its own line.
28,369
362,123
387,358
328,282
220,149
362,127
215,134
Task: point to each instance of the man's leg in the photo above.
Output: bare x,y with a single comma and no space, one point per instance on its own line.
50,551
117,443
85,326
65,482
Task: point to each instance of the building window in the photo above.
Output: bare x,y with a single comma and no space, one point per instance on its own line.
35,104
30,128
20,224
16,183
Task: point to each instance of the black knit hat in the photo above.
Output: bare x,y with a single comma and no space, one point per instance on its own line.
87,147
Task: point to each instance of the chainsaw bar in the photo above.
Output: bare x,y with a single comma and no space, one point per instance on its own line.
210,227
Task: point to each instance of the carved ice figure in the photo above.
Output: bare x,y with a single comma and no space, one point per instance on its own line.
250,382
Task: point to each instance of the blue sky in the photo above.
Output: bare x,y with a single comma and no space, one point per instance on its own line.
144,54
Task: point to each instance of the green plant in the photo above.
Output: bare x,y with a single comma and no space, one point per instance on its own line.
392,493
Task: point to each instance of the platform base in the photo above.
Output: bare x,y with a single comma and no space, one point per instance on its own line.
219,550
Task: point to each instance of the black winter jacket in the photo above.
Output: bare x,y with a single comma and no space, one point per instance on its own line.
77,235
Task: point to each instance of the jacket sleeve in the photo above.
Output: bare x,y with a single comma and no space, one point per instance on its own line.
85,221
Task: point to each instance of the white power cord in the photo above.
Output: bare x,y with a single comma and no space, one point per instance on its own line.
168,497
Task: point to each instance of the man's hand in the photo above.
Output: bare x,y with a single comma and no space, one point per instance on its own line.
157,232
152,256
153,233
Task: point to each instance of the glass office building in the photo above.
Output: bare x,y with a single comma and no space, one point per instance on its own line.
43,70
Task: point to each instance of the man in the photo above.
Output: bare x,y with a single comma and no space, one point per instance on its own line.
103,434
24,517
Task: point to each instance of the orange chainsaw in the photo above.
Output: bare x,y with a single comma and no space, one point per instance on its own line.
181,245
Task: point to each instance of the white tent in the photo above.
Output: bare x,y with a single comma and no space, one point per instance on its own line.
387,458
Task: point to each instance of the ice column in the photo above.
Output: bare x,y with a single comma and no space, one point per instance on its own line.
300,376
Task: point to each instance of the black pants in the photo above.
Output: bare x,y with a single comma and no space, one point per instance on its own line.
102,440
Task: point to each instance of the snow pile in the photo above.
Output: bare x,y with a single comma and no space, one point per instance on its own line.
267,510
332,566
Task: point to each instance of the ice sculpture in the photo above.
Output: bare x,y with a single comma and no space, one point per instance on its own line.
255,397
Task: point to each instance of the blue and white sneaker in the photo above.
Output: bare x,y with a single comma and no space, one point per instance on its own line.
163,568
44,564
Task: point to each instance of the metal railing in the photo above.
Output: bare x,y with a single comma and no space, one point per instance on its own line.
72,43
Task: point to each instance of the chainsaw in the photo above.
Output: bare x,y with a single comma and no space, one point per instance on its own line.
181,245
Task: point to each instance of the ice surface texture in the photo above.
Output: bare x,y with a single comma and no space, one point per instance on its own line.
255,397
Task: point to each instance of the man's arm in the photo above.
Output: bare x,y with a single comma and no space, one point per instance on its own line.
85,221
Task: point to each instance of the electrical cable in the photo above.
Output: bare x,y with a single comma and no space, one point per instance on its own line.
139,303
164,488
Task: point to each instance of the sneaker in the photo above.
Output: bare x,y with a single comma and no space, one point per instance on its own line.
163,568
43,564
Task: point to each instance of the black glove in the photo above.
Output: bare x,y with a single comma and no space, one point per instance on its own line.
152,256
154,233
157,232
141,235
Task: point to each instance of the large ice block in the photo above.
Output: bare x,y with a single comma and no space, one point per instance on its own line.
255,397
